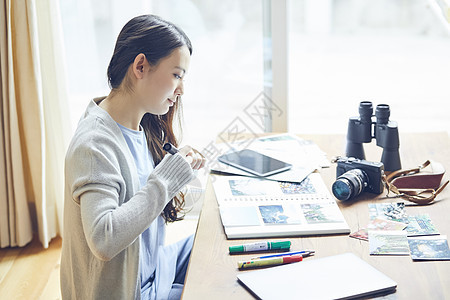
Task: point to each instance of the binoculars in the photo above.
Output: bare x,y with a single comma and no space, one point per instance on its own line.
384,131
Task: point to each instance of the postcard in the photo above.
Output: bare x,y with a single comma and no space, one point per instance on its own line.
388,211
429,247
420,225
362,234
378,224
392,242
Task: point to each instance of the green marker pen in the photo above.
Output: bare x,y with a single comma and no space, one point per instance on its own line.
261,246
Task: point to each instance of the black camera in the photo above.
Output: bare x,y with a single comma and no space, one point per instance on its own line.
354,176
384,131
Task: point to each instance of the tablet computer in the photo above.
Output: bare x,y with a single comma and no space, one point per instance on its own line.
254,162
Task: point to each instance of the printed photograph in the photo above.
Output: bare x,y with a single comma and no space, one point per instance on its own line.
378,224
279,214
388,211
321,213
420,225
361,234
388,242
248,187
291,188
429,248
276,138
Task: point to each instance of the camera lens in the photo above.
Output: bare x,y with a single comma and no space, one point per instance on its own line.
349,185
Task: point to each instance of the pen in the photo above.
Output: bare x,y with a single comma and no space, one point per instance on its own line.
302,253
170,148
261,246
269,261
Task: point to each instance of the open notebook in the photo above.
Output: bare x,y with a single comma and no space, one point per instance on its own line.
252,207
343,276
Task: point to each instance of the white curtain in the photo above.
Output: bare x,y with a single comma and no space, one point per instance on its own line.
34,124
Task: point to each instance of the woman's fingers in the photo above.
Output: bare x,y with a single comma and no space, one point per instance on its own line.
193,157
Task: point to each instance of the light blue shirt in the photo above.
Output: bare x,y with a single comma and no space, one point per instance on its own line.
153,237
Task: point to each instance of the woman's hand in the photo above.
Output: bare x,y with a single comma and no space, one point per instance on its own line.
193,157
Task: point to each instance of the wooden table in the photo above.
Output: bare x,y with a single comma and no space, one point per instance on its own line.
212,271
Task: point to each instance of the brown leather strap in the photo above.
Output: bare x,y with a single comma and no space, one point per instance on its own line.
418,178
408,171
412,185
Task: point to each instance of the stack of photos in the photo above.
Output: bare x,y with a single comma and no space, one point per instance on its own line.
393,232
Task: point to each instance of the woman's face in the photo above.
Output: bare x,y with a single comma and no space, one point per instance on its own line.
162,84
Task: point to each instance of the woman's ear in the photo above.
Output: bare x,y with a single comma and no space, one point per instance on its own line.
140,65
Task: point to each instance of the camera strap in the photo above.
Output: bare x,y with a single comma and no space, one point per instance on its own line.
417,185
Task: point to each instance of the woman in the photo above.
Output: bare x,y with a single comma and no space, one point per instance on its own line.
121,187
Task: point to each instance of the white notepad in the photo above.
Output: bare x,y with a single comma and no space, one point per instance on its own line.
341,276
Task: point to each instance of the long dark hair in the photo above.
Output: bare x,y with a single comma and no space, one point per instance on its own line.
156,38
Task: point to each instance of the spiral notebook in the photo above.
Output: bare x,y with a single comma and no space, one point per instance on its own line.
258,208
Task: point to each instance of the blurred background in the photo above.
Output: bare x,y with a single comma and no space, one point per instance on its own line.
340,52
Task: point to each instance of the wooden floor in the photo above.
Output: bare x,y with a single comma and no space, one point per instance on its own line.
30,272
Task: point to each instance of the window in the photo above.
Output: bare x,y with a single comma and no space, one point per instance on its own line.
226,71
340,52
389,51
